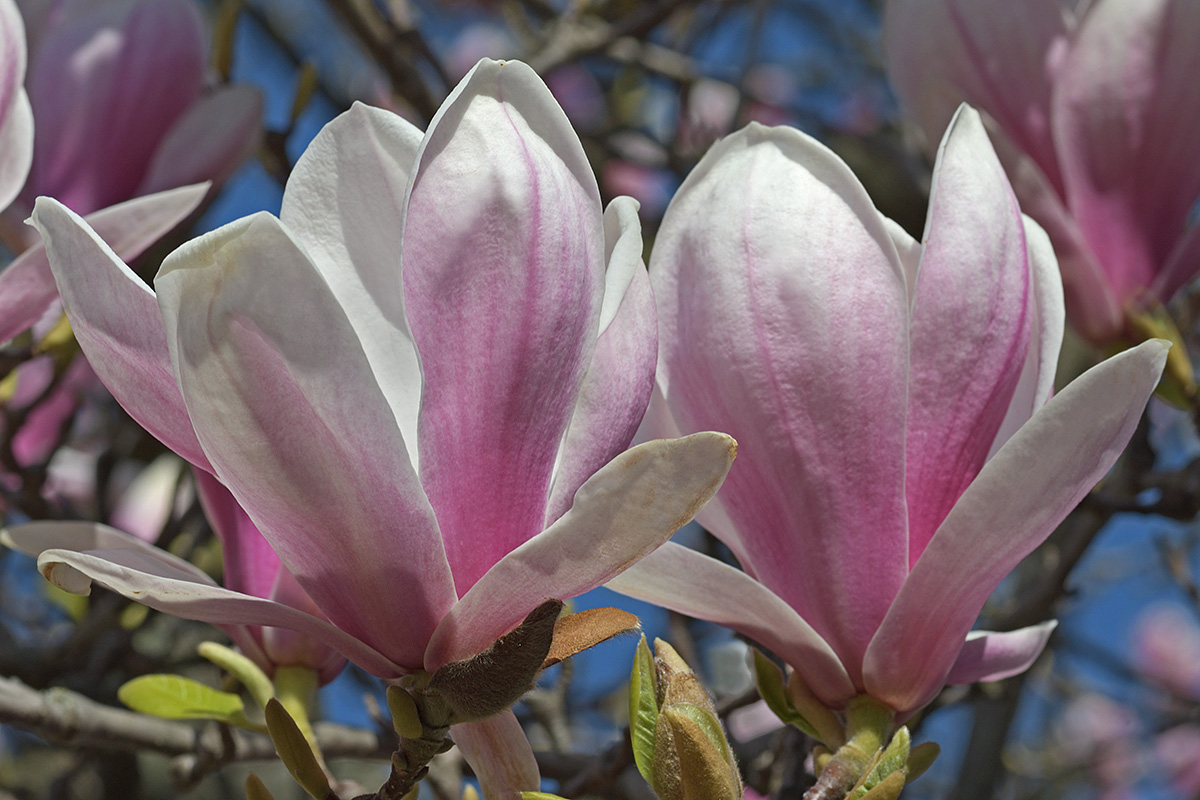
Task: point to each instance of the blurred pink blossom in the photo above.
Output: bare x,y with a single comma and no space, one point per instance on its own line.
1094,109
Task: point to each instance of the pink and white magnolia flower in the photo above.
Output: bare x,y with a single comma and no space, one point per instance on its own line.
898,453
123,120
1095,115
16,118
433,450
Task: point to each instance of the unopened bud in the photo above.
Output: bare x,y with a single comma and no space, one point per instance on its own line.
679,745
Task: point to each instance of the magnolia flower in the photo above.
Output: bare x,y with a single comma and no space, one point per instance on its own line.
897,458
117,90
433,451
1094,113
16,118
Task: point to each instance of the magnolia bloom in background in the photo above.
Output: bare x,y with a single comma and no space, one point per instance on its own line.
118,94
434,451
1095,116
16,118
898,455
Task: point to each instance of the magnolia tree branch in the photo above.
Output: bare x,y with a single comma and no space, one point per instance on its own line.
65,717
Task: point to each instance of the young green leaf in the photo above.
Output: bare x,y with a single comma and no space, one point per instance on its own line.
176,697
643,710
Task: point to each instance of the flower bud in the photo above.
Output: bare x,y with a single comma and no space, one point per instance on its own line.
679,745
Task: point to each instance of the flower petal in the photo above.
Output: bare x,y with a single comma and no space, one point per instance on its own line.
783,319
343,203
1124,112
1041,362
209,142
16,146
989,656
16,117
1011,507
250,563
35,538
617,386
503,280
114,314
624,511
971,321
151,580
499,754
692,583
999,57
287,409
106,85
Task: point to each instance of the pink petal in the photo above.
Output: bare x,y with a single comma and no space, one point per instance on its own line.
695,584
251,565
1124,113
35,538
503,280
1180,266
286,406
106,86
1011,507
209,142
988,656
145,505
1041,362
1091,303
499,754
285,646
783,320
971,321
617,386
999,57
624,511
149,579
114,314
343,203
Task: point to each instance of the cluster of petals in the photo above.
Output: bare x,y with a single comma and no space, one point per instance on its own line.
122,127
899,448
432,450
1093,109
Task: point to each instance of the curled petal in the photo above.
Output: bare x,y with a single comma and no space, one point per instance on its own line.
503,280
1017,499
114,313
286,406
695,584
783,319
35,538
624,511
155,582
989,656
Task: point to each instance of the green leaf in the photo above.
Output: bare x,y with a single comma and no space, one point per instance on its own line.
770,686
643,710
540,796
708,723
176,697
295,752
246,671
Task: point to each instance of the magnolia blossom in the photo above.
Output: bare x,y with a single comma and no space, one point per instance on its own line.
16,118
433,451
123,119
1095,116
898,455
